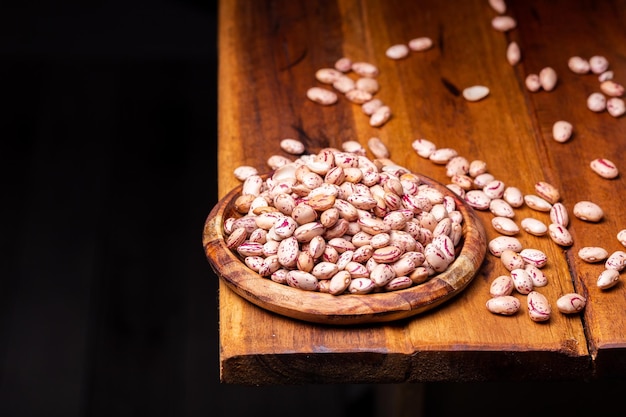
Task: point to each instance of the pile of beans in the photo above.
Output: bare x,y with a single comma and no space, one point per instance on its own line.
338,222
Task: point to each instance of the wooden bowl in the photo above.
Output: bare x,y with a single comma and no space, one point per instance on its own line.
345,309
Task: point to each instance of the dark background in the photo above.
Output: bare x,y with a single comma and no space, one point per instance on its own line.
107,304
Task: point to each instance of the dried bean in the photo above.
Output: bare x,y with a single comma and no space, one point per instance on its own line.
534,226
604,168
397,51
534,257
380,116
558,214
532,82
503,23
538,306
501,243
327,75
616,107
612,88
588,211
547,78
513,196
475,93
596,102
501,286
321,96
513,53
505,225
506,305
560,235
562,131
537,203
522,281
607,279
578,65
616,261
598,64
593,254
512,260
498,5
621,237
420,44
571,303
537,276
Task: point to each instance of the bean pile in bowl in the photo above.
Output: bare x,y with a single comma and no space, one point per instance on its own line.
340,224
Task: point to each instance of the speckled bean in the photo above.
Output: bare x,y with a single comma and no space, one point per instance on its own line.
593,254
560,235
571,303
321,96
598,64
513,53
604,168
538,307
558,214
503,23
513,196
578,65
501,286
534,226
339,282
477,199
522,281
548,78
499,244
505,225
562,131
616,261
596,102
621,237
537,203
499,207
532,82
327,75
442,155
511,260
534,256
424,147
397,51
607,279
422,43
365,69
380,116
506,305
475,93
616,107
588,211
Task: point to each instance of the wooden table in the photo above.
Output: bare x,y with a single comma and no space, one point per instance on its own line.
268,54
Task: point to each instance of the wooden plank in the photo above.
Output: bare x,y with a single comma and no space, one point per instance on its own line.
269,52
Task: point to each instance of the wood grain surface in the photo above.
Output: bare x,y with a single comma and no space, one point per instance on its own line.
268,54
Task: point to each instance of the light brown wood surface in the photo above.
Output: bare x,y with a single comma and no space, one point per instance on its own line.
268,54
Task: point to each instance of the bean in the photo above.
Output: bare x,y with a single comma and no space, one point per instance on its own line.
382,274
302,280
604,168
494,189
596,102
442,155
501,243
339,282
365,69
457,165
538,306
605,76
481,180
370,107
248,248
501,286
327,75
505,225
506,305
588,211
560,235
498,5
612,88
593,254
397,51
380,116
522,281
534,257
424,147
534,226
477,167
537,203
571,303
422,43
607,279
477,199
321,96
343,64
513,196
598,64
499,207
244,171
475,93
547,78
361,286
562,131
513,53
616,107
369,85
343,84
503,23
398,283
358,96
378,147
558,214
512,260
578,65
532,82
616,261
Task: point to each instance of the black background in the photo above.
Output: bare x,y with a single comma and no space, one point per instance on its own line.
108,162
